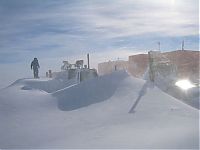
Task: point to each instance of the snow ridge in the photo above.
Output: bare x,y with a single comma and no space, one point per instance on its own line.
89,92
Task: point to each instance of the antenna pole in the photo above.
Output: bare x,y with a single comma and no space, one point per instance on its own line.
88,58
159,46
183,44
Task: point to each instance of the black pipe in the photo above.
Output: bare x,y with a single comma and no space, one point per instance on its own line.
88,58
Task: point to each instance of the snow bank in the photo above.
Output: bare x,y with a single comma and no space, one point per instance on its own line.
89,92
31,118
45,84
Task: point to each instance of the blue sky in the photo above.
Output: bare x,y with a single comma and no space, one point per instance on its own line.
66,29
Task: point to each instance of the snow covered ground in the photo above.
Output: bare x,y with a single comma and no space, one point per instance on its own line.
95,114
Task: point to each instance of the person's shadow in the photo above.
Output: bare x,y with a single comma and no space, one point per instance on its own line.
148,84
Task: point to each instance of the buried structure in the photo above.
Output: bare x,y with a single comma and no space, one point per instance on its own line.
78,70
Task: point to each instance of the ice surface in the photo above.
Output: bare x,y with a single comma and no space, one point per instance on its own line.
95,114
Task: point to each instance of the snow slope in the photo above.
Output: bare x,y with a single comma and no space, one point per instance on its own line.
46,84
94,114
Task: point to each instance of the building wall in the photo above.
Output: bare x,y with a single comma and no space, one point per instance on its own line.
110,66
137,64
187,63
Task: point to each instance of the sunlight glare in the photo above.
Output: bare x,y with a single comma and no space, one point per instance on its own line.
184,84
168,2
172,2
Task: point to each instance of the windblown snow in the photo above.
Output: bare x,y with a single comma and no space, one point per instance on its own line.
43,113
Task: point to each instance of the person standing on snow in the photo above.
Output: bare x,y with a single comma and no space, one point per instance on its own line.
35,66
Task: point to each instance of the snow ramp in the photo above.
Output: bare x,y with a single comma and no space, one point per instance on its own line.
45,84
90,91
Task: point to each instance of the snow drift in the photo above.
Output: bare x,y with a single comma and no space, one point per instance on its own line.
98,116
89,92
45,84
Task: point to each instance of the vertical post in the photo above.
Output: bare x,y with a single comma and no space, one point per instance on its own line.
151,67
47,74
159,46
50,74
88,58
183,45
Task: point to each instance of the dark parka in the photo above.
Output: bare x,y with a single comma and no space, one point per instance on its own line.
35,65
